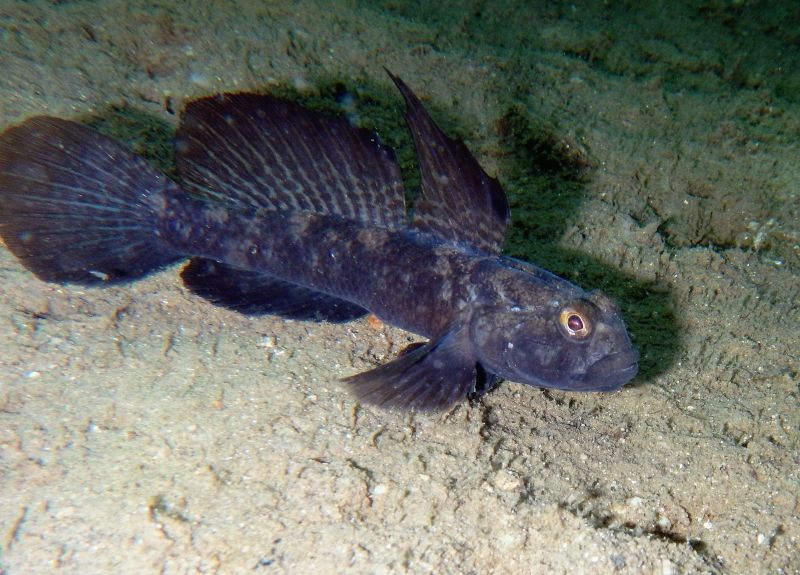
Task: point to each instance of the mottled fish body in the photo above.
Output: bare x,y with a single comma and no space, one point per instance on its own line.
286,211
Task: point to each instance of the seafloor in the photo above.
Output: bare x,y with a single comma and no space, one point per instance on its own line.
650,150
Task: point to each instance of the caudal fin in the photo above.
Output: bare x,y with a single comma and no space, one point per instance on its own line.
76,206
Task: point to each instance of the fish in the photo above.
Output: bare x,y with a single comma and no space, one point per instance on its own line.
287,211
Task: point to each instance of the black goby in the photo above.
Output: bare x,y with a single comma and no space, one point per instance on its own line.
287,211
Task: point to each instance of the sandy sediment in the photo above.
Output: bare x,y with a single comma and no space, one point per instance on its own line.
143,430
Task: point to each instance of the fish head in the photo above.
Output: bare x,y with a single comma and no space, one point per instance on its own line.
580,344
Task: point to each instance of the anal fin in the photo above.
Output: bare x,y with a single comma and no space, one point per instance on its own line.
431,377
254,293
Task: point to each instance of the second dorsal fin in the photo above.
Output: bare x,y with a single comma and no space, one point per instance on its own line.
459,201
259,151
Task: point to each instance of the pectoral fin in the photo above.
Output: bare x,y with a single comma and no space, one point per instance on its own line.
432,377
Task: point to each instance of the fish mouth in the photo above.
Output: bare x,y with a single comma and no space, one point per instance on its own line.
611,372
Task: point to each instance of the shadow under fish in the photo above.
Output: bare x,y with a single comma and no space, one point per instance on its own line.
287,211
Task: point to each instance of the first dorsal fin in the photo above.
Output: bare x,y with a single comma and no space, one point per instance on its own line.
459,201
259,151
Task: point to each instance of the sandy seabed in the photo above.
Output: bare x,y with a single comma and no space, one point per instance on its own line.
143,430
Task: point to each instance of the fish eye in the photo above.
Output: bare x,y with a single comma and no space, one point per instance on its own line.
575,323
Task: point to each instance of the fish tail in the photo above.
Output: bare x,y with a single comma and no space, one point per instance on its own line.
76,206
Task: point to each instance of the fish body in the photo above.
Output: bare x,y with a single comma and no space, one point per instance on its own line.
286,211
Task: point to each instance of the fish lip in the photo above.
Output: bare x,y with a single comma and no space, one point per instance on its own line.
611,371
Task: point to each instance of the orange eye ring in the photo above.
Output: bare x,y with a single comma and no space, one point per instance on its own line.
575,323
